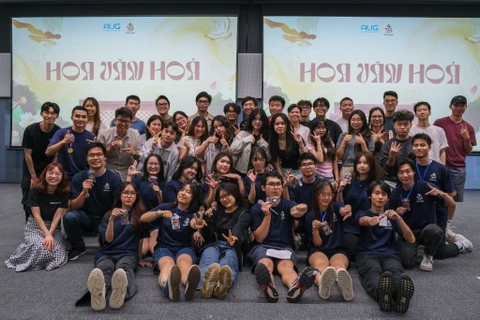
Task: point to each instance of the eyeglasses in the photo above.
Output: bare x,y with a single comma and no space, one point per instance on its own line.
309,164
123,121
356,120
390,100
231,111
162,104
153,164
258,159
326,195
203,101
321,106
224,196
129,193
274,185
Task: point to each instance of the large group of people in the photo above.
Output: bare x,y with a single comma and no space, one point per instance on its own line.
203,194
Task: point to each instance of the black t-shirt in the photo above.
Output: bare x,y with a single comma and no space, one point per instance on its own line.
220,222
37,140
48,203
290,160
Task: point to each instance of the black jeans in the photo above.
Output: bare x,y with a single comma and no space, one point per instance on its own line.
371,268
433,238
108,265
351,240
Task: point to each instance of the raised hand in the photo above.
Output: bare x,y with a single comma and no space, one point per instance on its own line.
348,137
213,139
395,149
87,185
68,138
116,212
230,239
236,129
132,170
187,144
297,137
317,138
129,149
199,222
300,208
265,206
251,175
223,141
211,182
347,212
316,225
464,132
401,210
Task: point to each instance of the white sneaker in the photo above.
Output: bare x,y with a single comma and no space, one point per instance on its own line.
463,243
450,235
427,263
329,276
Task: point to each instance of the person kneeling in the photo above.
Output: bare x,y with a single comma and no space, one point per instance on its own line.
328,251
174,256
227,230
116,262
272,226
378,263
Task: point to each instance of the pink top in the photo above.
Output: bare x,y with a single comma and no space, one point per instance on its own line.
324,169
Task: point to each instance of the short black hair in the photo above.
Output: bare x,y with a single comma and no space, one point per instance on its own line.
307,103
422,103
307,156
383,186
277,98
231,189
203,94
162,97
321,100
270,174
345,99
293,106
47,105
401,115
249,98
422,136
124,112
235,107
132,97
404,161
95,144
81,108
172,124
390,93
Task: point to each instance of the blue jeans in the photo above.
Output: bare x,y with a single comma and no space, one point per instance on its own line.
74,223
222,254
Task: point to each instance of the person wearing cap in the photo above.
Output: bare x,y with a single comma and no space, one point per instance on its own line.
461,140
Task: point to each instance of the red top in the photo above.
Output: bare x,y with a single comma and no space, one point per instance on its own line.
455,152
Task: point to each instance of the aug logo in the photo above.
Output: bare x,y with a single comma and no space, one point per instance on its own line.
369,28
111,27
130,29
388,30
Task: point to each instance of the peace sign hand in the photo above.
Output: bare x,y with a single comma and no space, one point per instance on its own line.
230,239
132,170
317,138
464,132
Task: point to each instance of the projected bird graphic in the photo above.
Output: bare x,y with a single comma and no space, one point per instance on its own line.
291,35
37,35
222,31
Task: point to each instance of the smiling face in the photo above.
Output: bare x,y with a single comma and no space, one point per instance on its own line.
307,167
199,130
49,116
53,177
325,197
379,197
346,108
320,109
219,128
405,174
185,195
294,115
376,120
390,103
181,121
122,124
95,158
231,115
223,165
227,200
190,173
362,166
258,162
275,107
280,126
156,125
128,196
79,118
162,107
257,122
91,108
248,107
420,148
153,166
320,130
356,122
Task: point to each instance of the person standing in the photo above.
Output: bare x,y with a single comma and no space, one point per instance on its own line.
69,143
163,107
306,107
132,103
461,140
390,101
36,138
439,144
203,100
346,107
321,106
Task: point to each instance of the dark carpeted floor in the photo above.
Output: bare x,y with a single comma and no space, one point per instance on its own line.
451,291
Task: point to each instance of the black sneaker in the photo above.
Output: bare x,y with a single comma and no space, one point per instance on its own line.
73,254
304,281
172,289
264,280
385,292
193,279
404,290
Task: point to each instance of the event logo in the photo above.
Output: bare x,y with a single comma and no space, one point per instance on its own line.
388,30
372,28
130,29
111,26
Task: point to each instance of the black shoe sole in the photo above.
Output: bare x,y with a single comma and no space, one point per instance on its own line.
193,279
306,281
404,292
174,278
262,275
385,292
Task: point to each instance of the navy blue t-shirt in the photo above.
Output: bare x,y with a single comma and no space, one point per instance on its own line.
334,240
149,197
171,190
423,208
377,239
304,193
102,194
76,161
259,193
280,233
125,239
355,194
173,239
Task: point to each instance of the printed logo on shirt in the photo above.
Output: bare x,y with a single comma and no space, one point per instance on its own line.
106,187
53,202
419,198
335,219
282,215
186,222
433,177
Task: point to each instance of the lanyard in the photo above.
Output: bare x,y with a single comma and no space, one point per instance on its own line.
178,213
425,172
323,215
409,192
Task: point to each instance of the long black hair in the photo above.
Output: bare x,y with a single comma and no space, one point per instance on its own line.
263,117
191,129
228,128
160,174
364,131
186,163
327,143
273,140
149,121
372,174
316,206
137,210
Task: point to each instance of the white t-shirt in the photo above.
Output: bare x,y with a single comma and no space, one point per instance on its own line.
439,139
343,123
